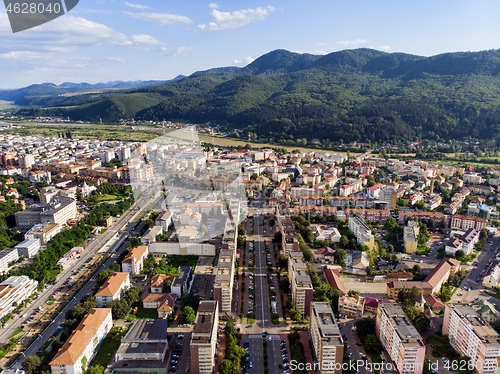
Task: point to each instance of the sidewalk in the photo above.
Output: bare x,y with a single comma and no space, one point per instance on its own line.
221,351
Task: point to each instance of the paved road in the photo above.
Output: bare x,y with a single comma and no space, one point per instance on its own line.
142,204
255,354
274,354
262,311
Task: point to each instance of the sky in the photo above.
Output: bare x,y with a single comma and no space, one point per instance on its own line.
108,40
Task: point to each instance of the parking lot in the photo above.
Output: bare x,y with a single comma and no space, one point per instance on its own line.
378,290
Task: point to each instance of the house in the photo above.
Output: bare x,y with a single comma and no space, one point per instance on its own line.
182,284
158,281
434,302
162,302
134,260
325,254
112,289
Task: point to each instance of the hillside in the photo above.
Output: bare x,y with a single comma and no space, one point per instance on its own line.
352,95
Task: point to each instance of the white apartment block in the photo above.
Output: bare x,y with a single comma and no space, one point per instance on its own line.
363,234
75,355
112,289
15,289
400,339
224,280
352,305
134,261
326,338
28,248
471,336
203,344
300,282
7,256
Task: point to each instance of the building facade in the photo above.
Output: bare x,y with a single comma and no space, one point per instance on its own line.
203,344
326,338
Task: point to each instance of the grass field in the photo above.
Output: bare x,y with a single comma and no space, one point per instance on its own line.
143,313
108,347
108,197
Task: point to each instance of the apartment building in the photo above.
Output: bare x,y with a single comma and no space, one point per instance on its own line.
461,222
13,291
465,243
389,195
400,339
326,338
446,268
438,217
372,215
492,277
78,351
59,210
182,283
352,305
28,248
411,232
300,281
203,344
471,336
134,260
363,234
7,256
112,289
224,280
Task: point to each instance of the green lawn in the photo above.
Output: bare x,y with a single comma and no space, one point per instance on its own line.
442,346
108,347
143,313
108,197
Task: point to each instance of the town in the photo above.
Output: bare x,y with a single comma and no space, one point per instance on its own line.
177,256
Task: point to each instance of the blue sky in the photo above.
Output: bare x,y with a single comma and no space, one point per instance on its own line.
105,40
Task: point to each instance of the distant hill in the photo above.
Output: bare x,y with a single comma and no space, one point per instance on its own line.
351,95
23,96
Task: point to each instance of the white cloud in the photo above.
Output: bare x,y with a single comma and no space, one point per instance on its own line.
145,39
99,11
213,5
384,48
176,51
244,62
136,6
352,43
161,18
238,18
67,33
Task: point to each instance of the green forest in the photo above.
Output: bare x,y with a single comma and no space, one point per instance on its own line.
353,95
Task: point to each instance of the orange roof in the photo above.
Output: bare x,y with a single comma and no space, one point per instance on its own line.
136,253
441,270
75,346
159,279
333,279
112,284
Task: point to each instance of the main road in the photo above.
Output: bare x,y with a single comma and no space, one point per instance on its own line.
142,204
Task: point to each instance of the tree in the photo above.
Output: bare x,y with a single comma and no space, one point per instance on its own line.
241,229
187,316
31,364
102,276
416,269
372,344
340,256
226,367
149,266
278,237
95,369
460,254
344,241
352,293
119,309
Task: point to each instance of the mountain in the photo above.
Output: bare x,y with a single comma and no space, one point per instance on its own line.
351,95
22,96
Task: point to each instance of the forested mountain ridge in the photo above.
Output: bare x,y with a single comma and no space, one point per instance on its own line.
350,95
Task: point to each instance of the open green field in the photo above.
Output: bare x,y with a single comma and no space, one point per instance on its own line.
108,197
105,132
143,313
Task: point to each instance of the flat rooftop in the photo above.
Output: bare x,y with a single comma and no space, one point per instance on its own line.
406,331
327,325
154,330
